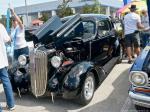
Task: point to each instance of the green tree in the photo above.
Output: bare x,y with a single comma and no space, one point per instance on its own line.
44,17
95,8
103,10
86,9
64,10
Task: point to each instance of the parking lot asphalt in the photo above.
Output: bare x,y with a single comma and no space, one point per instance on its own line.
111,96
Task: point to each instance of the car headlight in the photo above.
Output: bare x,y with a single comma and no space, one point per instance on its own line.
56,61
22,59
138,78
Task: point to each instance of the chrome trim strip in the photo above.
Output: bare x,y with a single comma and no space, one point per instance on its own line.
140,99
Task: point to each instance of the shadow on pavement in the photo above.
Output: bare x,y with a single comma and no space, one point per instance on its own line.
45,104
29,103
116,98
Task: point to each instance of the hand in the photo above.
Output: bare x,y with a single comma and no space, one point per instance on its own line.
12,11
146,29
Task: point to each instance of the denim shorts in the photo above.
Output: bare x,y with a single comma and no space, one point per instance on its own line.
132,39
18,52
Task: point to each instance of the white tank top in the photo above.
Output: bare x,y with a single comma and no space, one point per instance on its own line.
18,35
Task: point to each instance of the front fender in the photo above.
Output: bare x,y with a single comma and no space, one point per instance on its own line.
74,79
19,79
141,59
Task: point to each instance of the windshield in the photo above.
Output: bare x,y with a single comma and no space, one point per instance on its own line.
89,27
85,30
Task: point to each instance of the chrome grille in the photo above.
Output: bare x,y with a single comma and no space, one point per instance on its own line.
38,72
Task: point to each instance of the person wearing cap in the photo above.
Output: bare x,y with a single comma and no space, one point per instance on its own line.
132,23
145,22
4,77
18,36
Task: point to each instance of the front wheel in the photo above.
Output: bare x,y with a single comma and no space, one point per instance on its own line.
88,89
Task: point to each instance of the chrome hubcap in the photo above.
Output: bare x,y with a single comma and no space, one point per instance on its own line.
89,88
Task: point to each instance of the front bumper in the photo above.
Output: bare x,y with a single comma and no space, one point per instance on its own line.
140,99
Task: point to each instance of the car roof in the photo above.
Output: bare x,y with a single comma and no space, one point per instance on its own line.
95,16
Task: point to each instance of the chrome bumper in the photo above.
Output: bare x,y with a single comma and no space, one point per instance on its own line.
140,99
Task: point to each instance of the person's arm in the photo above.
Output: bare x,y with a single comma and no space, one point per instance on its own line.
5,35
17,18
139,24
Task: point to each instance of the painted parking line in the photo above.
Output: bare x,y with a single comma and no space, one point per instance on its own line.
126,105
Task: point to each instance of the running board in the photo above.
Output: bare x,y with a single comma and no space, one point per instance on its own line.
109,65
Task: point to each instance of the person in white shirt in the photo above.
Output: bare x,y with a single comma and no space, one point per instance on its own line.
3,71
132,22
145,22
18,36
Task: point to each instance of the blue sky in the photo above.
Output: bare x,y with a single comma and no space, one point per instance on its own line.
15,3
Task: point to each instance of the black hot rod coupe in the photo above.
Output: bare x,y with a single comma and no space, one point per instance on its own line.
71,57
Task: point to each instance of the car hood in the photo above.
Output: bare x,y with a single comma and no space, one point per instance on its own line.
56,31
142,61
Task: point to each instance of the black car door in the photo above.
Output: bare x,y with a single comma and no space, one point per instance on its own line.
101,44
88,37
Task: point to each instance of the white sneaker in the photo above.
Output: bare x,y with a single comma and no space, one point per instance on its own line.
10,109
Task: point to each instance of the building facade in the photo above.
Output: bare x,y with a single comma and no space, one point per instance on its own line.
35,11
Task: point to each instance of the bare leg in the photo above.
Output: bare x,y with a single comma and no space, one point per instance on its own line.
129,53
133,51
137,50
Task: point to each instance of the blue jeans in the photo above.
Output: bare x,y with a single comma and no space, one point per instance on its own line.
7,88
18,52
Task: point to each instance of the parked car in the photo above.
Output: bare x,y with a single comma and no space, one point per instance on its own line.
72,56
139,77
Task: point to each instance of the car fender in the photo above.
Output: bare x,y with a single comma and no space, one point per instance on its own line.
75,78
141,59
